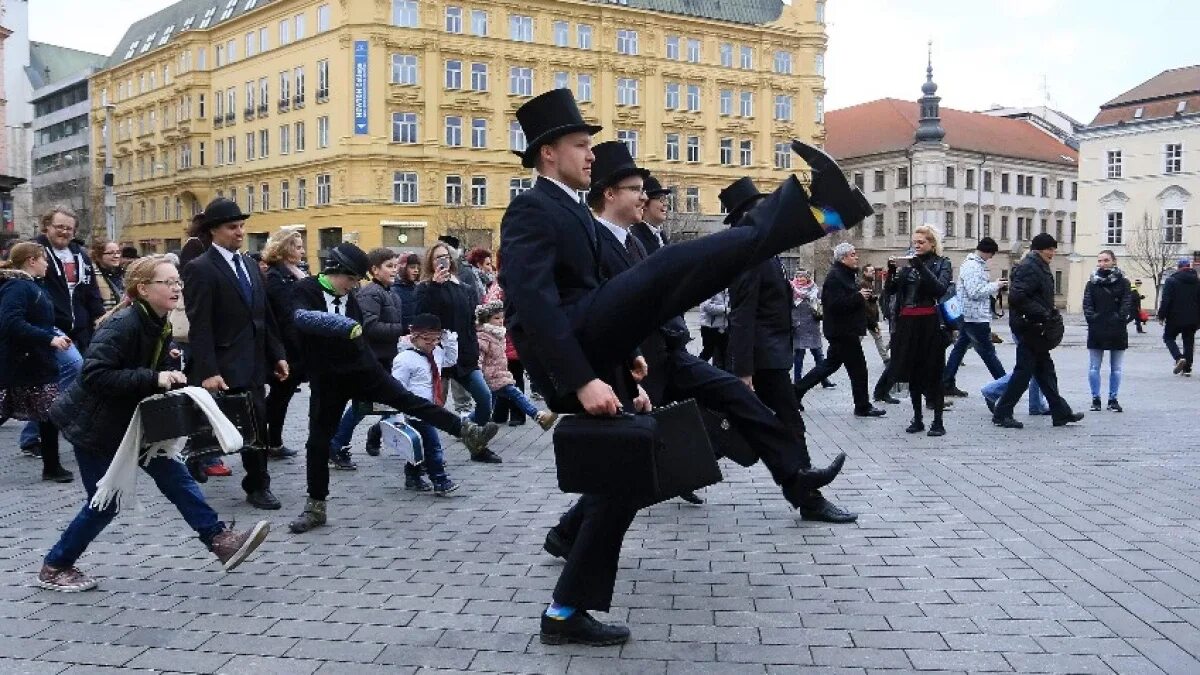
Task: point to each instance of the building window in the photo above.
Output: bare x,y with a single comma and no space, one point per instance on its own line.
265,190
693,51
725,98
324,189
783,108
693,98
783,63
969,225
285,32
454,19
627,42
726,54
322,80
322,20
1058,282
746,153
264,142
454,74
630,139
878,225
1058,189
1045,185
969,179
298,76
479,22
478,191
520,28
673,47
726,151
1114,164
693,149
301,192
404,14
583,34
672,153
902,222
987,181
672,96
1115,231
860,181
518,185
1173,226
627,91
949,221
987,225
479,133
1174,158
950,176
1058,229
747,104
404,187
404,70
880,185
479,77
454,132
516,137
404,128
300,139
219,151
691,200
454,191
1004,183
520,81
584,91
747,58
1074,191
323,132
285,194
562,33
783,156
250,154
285,139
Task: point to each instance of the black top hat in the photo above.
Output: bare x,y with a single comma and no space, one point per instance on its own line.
655,188
613,164
737,198
546,117
220,211
451,241
346,258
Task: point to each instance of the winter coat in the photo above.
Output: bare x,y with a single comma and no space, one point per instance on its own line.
110,284
407,295
760,320
454,304
1108,308
383,322
280,284
921,284
1031,297
976,290
27,358
806,328
74,314
492,359
119,370
1180,305
714,312
845,308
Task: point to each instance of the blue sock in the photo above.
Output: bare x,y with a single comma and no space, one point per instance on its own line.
560,612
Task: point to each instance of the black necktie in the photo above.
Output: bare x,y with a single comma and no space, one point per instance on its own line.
337,305
631,245
243,280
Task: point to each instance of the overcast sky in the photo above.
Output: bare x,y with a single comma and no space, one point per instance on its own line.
1011,52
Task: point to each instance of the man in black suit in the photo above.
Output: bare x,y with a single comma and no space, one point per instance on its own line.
232,332
760,342
576,330
649,230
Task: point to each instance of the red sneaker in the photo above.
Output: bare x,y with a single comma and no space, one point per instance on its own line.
217,470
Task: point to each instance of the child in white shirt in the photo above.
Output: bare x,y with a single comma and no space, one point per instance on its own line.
418,367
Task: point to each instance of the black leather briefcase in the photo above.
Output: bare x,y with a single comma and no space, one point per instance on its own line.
726,441
650,457
166,417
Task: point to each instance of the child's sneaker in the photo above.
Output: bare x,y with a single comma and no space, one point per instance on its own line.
341,460
443,487
546,419
417,484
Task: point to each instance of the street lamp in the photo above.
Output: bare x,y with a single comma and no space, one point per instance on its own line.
110,197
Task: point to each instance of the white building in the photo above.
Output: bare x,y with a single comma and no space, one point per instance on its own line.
1139,172
971,174
18,124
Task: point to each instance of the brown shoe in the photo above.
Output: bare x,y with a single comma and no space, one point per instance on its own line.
64,580
546,419
232,548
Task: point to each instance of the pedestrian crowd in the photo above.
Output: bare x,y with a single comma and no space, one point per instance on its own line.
579,313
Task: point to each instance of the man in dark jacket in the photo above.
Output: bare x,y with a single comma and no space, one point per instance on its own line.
844,302
232,332
1179,312
1034,320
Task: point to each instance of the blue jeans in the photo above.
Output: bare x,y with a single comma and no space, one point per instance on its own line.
1038,405
977,335
1116,358
798,362
475,385
435,463
70,363
173,481
345,430
514,396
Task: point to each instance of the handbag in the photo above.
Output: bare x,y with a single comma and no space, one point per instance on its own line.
648,457
950,309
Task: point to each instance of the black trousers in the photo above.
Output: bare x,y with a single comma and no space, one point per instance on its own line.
1035,363
330,394
845,351
503,410
714,344
1172,331
278,399
774,388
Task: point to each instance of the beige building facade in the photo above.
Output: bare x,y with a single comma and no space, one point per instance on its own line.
391,122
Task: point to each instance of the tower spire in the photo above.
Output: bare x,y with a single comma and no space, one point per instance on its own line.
930,129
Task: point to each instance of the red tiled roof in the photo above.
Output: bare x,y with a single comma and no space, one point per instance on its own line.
889,124
1156,98
1171,82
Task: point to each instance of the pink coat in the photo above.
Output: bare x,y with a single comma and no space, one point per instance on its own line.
492,359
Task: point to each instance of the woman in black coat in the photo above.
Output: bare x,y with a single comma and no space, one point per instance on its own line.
442,294
1108,308
28,343
130,358
283,254
919,345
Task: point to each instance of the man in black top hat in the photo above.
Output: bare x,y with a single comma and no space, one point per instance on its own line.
576,333
342,368
232,332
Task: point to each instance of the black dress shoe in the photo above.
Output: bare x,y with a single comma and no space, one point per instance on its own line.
816,507
281,452
914,427
557,545
581,628
804,482
59,475
692,498
888,399
870,412
486,456
828,385
263,499
1069,419
936,429
1008,423
952,390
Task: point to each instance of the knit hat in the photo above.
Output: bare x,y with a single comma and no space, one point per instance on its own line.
1184,262
987,245
1042,242
487,310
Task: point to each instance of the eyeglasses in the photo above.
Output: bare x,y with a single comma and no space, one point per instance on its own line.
632,188
117,253
63,228
169,283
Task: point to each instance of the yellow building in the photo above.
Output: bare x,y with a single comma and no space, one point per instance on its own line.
390,122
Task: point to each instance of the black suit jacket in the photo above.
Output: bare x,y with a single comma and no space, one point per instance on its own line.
844,307
760,320
328,355
551,240
229,337
646,237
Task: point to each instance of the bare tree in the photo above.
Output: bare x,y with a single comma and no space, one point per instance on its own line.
467,223
1153,250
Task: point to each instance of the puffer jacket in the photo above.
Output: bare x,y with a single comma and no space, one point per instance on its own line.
120,369
976,289
1031,297
1108,308
27,358
454,304
1180,304
492,359
383,321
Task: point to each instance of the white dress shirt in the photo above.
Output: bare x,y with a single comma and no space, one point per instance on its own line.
228,256
619,232
574,194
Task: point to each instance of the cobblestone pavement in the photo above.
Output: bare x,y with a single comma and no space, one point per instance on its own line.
1042,550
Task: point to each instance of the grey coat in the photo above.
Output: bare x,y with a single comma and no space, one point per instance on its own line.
806,330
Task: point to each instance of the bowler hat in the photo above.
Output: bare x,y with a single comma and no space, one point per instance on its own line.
346,258
737,198
655,188
220,211
451,241
613,164
547,117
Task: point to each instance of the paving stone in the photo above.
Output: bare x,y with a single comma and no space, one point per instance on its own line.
184,661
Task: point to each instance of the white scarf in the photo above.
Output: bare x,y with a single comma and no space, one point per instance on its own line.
119,484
